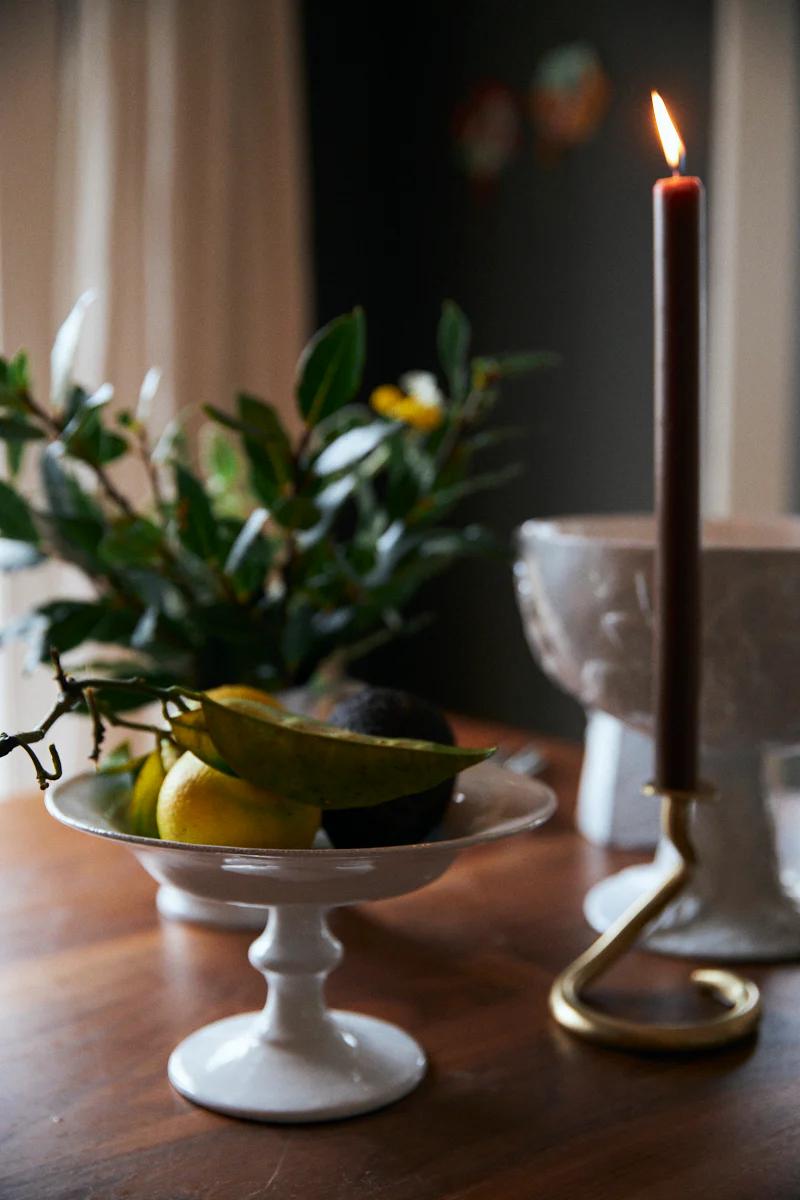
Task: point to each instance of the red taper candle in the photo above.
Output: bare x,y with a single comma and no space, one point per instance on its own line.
678,256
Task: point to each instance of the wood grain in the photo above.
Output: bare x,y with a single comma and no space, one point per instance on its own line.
95,991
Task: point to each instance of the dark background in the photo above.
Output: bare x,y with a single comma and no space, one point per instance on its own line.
557,258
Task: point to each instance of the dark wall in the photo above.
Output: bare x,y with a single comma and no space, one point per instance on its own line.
559,258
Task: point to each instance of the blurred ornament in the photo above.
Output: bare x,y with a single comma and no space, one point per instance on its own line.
487,130
569,97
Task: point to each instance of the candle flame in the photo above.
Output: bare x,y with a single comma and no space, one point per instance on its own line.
674,148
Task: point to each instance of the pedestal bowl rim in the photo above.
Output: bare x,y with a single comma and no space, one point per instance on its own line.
534,811
636,531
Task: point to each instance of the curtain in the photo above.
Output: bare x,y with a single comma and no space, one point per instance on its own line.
154,152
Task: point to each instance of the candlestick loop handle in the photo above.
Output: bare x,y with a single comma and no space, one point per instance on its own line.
740,997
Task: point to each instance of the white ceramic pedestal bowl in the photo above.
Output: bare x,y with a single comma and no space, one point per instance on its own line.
296,1060
584,587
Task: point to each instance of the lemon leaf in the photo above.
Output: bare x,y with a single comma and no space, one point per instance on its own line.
322,765
190,733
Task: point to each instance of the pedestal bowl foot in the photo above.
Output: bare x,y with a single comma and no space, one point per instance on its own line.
362,1064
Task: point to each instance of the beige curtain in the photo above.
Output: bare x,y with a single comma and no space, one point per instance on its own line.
152,150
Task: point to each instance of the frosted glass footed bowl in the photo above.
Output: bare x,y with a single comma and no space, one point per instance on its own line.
296,1060
585,591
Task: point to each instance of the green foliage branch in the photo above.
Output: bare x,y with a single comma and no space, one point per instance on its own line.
273,558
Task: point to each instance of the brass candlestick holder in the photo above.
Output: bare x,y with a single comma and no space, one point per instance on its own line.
740,997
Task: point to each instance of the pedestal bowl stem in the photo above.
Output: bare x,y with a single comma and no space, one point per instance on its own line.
295,953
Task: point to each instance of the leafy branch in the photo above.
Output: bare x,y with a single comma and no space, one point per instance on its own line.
277,555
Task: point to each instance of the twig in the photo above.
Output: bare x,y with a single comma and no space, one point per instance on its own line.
98,729
73,692
124,723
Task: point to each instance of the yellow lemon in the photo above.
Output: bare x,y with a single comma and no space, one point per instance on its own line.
151,775
200,805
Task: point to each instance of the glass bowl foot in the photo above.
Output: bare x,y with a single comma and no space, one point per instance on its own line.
767,930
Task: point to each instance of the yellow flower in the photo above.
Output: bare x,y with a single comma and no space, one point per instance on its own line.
417,402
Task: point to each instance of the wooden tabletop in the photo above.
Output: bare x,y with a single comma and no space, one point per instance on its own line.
95,991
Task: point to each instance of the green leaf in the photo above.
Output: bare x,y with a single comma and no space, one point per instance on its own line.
522,364
121,758
265,441
147,394
84,436
318,764
411,476
146,629
267,446
435,506
65,347
75,524
15,516
65,496
18,556
350,416
453,344
450,544
247,535
15,428
352,447
14,382
134,542
197,527
486,438
172,444
296,512
251,555
487,371
221,461
298,634
66,624
152,589
19,371
75,539
15,452
331,367
21,628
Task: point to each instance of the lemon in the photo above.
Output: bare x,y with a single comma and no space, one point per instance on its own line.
151,774
198,804
189,729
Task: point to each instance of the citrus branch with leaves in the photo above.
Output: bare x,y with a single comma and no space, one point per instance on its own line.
265,558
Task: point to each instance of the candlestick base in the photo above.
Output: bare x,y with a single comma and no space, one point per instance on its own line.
740,997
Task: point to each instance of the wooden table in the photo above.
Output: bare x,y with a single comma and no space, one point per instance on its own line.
95,991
